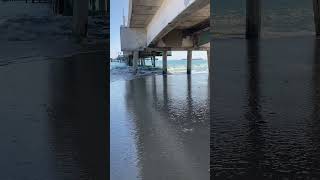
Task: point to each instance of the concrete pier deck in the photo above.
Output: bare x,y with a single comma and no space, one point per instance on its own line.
158,26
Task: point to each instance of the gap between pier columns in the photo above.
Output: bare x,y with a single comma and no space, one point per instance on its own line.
189,59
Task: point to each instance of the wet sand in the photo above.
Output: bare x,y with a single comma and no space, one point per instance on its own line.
160,128
30,30
265,109
53,119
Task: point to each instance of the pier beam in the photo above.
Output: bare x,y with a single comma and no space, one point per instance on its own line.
316,12
135,61
253,20
189,59
164,62
208,59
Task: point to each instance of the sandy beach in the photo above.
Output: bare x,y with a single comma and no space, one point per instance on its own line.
160,127
53,93
32,30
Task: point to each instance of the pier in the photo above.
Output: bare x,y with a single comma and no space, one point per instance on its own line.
52,87
264,104
161,26
253,18
80,10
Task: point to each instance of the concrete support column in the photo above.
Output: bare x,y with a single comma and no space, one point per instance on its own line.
80,18
67,10
189,59
102,5
253,20
129,60
209,60
135,61
316,12
164,62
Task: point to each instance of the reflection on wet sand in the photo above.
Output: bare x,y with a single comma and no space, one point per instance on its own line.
77,127
265,116
169,124
52,114
255,139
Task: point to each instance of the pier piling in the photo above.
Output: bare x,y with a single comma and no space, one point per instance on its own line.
208,59
253,19
189,59
316,11
154,61
135,61
164,62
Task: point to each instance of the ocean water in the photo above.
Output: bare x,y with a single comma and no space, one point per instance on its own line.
174,66
179,66
120,71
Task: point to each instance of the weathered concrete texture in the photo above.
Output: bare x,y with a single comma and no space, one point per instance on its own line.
133,38
173,13
135,60
141,12
169,24
165,62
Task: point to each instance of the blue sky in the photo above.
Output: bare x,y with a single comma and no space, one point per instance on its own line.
116,14
116,19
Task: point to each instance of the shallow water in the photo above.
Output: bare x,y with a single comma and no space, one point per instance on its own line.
120,71
265,109
180,66
160,128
